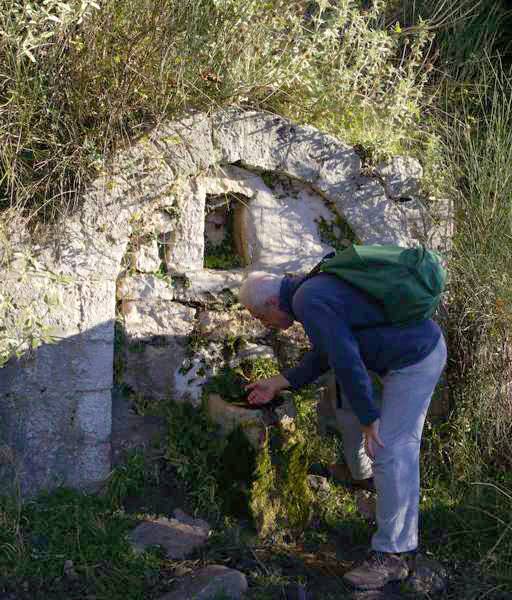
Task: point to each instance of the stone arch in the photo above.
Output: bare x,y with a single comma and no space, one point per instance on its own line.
135,203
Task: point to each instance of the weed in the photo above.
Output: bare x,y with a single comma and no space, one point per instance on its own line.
67,525
130,477
336,233
228,383
478,144
193,448
260,368
221,254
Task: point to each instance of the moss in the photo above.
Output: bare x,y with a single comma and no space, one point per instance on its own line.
228,383
269,179
295,492
119,342
336,233
264,503
281,500
136,347
237,472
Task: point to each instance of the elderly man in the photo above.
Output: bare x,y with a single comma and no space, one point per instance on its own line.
342,324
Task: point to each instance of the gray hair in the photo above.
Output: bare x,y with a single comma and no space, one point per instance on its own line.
257,288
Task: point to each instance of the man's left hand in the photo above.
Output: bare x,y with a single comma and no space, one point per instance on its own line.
371,438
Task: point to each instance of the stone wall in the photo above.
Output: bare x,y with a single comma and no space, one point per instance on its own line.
130,273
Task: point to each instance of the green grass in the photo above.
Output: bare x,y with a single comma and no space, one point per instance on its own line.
465,526
37,539
478,151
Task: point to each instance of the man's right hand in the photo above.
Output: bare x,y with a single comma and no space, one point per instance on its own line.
264,390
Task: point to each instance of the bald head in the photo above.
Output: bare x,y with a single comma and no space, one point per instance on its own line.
259,293
258,288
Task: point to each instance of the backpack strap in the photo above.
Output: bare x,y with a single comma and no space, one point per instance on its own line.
316,269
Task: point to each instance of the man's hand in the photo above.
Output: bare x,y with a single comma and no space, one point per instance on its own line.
263,390
372,438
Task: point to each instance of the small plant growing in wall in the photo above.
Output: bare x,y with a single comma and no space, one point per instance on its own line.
336,233
220,247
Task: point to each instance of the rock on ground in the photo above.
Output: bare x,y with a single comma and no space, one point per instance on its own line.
209,583
429,577
178,536
366,504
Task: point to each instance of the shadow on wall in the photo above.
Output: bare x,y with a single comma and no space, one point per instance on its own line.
56,413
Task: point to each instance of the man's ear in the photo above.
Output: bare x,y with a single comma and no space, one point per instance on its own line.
273,301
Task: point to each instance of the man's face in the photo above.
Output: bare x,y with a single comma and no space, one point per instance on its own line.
272,317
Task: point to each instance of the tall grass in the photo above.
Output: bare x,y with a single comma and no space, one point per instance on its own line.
479,147
465,31
73,90
468,456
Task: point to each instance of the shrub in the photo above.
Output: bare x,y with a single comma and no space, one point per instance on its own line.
479,148
78,81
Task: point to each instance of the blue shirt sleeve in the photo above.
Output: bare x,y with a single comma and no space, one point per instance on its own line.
332,338
312,365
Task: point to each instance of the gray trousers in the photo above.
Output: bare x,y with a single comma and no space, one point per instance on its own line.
404,401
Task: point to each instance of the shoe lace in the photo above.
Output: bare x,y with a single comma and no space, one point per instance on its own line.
374,557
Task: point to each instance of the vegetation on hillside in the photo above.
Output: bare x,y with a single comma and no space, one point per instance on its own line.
77,84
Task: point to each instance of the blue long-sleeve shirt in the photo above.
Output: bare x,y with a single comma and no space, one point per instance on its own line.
345,329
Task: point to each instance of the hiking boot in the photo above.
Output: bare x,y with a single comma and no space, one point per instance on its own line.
378,569
341,474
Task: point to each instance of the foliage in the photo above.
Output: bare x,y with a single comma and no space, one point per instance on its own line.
194,449
336,233
130,477
37,538
260,368
471,120
227,475
472,523
77,85
230,382
479,144
83,86
467,33
29,28
281,500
